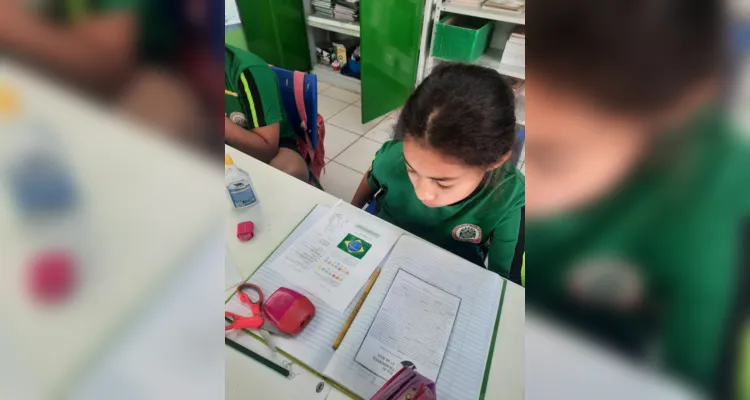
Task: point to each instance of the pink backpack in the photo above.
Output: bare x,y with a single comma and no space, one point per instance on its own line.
315,155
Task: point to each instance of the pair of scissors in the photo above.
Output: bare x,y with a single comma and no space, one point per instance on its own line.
255,320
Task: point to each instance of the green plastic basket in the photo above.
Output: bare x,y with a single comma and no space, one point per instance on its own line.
461,38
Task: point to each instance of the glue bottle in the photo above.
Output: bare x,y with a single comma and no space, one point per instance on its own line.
239,185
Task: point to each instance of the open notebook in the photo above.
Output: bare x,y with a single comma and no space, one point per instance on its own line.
471,296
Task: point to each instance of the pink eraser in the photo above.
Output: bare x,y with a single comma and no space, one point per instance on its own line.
52,276
245,231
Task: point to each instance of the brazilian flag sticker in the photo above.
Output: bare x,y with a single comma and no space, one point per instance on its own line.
354,246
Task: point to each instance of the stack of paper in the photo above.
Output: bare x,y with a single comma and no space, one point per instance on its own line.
323,7
346,11
515,48
474,3
506,5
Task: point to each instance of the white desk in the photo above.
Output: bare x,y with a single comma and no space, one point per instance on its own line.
284,202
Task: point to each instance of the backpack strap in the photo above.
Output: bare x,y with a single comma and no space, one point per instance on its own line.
299,96
299,99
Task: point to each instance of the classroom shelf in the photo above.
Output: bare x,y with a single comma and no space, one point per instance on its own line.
332,25
492,59
478,11
326,74
520,116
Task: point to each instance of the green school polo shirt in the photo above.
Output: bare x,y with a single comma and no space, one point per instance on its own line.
652,268
258,102
155,38
72,10
485,222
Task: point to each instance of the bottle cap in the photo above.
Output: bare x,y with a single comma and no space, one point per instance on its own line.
228,160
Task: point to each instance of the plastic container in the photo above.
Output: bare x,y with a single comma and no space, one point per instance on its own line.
461,38
239,186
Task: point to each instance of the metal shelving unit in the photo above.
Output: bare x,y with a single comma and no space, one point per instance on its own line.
492,58
332,25
324,72
478,11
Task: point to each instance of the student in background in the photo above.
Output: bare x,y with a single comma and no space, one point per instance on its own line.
446,176
636,181
123,52
92,44
254,121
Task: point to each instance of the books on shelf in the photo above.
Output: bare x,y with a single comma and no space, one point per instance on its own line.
341,10
323,7
346,11
506,5
515,48
475,3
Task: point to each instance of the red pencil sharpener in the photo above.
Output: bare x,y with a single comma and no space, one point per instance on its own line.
245,231
288,310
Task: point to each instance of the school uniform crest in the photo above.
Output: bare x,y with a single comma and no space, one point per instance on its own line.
607,281
239,119
468,233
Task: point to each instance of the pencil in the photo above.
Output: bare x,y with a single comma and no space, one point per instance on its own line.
357,306
229,92
255,356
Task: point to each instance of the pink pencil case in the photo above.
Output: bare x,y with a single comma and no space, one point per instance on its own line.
407,384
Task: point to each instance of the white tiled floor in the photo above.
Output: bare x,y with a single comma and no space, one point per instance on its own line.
349,144
337,140
359,155
328,107
350,119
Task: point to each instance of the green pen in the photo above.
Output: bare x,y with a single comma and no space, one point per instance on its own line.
255,356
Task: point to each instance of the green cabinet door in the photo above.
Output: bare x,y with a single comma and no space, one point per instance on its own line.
275,31
389,37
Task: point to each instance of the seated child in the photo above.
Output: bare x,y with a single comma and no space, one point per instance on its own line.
255,122
446,176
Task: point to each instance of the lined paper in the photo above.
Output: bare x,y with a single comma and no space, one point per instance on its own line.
314,345
414,323
462,371
334,259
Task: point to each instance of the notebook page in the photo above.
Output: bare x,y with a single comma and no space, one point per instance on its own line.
314,345
414,323
462,371
334,259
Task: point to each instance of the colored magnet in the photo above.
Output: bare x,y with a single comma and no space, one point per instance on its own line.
245,231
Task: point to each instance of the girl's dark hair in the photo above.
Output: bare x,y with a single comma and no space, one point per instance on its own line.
463,111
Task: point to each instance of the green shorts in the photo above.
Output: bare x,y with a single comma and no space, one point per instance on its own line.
289,143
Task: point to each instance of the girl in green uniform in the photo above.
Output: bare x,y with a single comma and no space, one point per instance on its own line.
640,182
446,176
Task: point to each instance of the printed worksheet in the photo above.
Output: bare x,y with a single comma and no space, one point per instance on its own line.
413,324
334,259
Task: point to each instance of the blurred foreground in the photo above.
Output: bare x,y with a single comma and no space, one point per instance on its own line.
638,191
110,233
